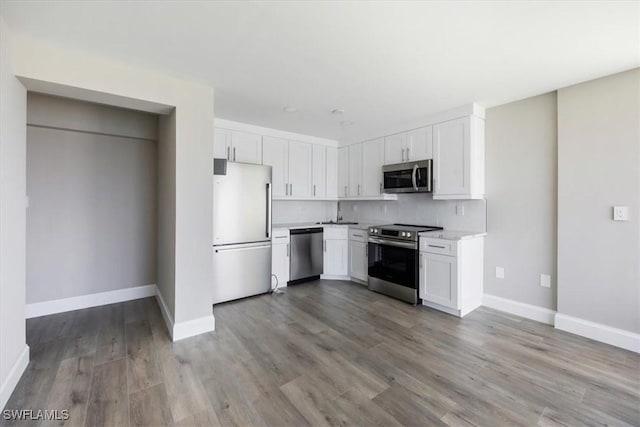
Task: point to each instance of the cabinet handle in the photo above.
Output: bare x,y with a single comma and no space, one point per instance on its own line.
403,154
358,189
286,189
324,246
357,235
407,153
228,153
234,154
314,190
345,191
436,246
291,189
288,252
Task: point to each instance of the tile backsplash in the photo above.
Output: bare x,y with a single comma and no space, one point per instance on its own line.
290,211
420,209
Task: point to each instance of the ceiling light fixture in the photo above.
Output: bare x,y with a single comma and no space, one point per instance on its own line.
289,109
337,111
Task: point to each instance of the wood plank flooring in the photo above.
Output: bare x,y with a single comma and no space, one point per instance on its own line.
323,353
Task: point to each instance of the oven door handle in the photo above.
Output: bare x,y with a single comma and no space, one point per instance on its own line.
407,245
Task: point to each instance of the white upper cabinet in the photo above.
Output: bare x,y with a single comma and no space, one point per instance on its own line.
409,146
419,144
332,172
458,159
275,153
245,147
221,143
394,148
355,170
343,172
373,159
237,146
319,171
300,174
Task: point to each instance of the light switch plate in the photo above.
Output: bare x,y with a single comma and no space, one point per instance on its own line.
499,273
621,213
545,280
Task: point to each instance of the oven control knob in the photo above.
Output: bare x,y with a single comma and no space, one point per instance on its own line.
408,234
403,234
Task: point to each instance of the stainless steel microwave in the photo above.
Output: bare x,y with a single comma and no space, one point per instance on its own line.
410,177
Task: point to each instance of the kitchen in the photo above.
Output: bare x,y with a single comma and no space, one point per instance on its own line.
440,161
240,213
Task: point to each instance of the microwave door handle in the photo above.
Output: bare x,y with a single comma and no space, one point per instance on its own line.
413,177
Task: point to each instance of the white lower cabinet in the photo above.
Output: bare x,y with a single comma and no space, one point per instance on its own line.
451,274
280,254
336,252
358,255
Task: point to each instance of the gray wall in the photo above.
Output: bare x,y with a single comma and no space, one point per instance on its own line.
92,188
166,253
599,166
12,215
521,171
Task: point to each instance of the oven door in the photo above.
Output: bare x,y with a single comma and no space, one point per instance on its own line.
393,261
414,177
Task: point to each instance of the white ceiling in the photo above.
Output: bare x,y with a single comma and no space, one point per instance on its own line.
384,63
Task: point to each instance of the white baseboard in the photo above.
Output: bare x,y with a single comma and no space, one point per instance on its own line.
598,332
190,328
451,311
528,311
12,379
166,314
85,301
182,330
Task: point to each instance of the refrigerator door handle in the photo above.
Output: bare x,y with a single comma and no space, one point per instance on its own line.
241,247
268,209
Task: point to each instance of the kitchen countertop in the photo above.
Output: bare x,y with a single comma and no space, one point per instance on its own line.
296,225
452,234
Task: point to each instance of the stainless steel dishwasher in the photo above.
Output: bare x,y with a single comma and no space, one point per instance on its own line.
306,254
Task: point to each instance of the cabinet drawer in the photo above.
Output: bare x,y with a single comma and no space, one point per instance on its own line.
438,246
336,233
280,236
358,235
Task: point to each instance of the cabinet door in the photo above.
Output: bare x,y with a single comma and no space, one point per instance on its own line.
355,170
222,144
394,148
246,147
319,171
280,264
420,144
358,260
275,153
332,172
336,257
300,169
373,158
343,172
439,279
451,160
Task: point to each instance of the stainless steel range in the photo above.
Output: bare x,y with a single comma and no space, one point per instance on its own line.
393,260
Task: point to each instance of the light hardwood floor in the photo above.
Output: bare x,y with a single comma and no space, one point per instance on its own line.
323,353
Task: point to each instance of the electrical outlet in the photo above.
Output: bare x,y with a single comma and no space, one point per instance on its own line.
499,273
621,213
545,280
460,210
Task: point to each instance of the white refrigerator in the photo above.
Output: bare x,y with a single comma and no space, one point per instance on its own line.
241,230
